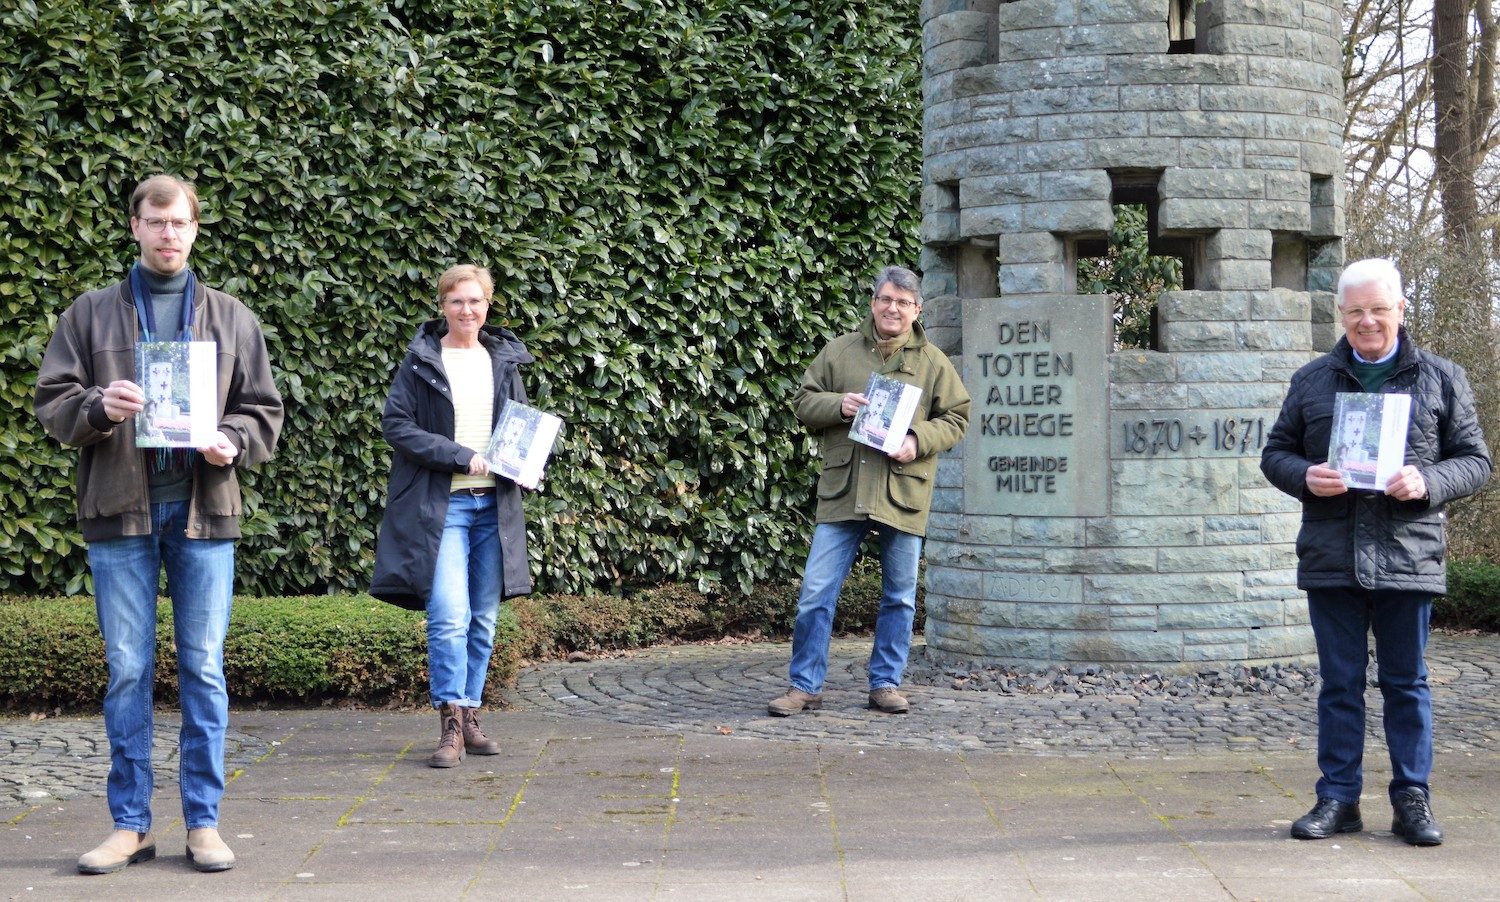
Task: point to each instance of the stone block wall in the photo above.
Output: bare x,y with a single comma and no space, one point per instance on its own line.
1037,112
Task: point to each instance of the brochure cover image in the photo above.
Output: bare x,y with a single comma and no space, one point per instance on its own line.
1368,441
521,443
882,423
180,382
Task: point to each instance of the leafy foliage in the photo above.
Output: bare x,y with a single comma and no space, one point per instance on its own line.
1473,599
1131,275
681,200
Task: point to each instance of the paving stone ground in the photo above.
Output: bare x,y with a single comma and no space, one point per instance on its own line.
723,689
658,775
68,757
715,687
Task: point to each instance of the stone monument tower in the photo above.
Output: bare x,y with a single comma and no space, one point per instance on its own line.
1107,504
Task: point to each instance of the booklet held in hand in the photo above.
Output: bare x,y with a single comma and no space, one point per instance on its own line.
180,381
521,443
882,423
1368,441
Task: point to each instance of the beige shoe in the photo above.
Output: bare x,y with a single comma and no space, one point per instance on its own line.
793,701
888,701
123,847
207,852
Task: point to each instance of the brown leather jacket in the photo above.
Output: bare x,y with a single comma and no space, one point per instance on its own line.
93,345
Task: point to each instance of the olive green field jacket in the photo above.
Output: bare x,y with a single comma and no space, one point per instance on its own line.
859,482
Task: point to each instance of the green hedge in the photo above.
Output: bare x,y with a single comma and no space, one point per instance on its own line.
278,650
352,647
1473,599
323,648
681,201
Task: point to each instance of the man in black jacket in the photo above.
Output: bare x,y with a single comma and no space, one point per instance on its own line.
1373,560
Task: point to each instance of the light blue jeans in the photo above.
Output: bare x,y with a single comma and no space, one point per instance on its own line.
465,601
834,547
200,581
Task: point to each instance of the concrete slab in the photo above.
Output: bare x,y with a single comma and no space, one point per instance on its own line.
339,804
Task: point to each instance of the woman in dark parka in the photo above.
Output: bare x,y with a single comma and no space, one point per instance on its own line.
453,541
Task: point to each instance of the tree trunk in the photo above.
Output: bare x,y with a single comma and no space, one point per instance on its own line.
1456,129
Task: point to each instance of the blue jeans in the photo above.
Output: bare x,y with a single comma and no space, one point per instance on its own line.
200,580
465,601
834,547
1340,620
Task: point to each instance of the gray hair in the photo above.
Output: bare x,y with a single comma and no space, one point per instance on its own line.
1373,271
902,278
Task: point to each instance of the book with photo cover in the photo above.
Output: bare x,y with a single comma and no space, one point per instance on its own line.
180,381
1368,441
883,422
521,443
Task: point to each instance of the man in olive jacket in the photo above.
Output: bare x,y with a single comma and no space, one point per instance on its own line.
1373,560
142,510
864,490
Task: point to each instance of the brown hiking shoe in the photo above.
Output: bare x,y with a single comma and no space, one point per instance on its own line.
450,748
887,700
793,701
475,742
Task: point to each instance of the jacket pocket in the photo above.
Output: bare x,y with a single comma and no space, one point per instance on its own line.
218,491
910,485
838,464
1418,539
1325,541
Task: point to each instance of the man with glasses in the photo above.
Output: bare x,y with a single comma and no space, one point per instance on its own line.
862,490
144,509
1372,560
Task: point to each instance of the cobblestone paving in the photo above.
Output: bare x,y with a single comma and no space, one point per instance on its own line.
726,688
68,757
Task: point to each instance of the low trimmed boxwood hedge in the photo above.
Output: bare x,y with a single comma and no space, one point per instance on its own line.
330,648
278,649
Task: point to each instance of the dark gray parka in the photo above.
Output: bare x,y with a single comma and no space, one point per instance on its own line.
418,425
1369,539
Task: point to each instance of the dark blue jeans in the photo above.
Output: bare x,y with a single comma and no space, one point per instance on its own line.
1341,620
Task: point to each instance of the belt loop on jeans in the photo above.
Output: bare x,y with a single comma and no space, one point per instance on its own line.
487,490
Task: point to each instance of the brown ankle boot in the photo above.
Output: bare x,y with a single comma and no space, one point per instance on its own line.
475,742
450,748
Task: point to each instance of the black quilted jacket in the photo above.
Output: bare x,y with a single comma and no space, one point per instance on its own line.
1363,538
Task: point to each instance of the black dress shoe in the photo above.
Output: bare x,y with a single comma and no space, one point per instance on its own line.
1414,822
1327,818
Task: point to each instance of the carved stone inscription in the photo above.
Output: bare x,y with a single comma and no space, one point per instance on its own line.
1044,587
1036,444
1189,433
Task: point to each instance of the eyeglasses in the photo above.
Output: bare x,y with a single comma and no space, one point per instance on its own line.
1355,314
156,226
886,300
